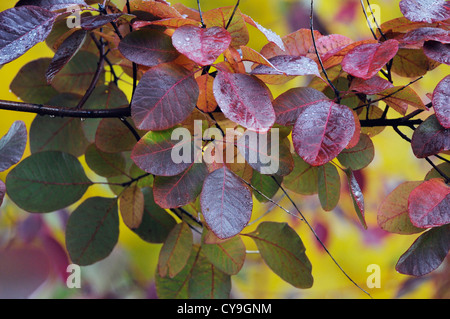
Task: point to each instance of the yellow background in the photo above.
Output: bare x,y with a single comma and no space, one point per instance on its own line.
131,265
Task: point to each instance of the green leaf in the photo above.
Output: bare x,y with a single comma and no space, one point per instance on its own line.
329,186
30,84
176,250
208,282
92,230
360,156
156,222
284,252
105,164
393,213
176,287
47,181
226,255
266,185
303,179
433,173
112,136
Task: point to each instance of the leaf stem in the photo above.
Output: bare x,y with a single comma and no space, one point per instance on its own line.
232,15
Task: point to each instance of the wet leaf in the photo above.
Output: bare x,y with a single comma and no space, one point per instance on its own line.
425,10
357,197
440,99
12,145
430,138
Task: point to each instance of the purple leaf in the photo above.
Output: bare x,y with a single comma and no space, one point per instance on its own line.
226,203
427,34
51,5
148,47
203,46
93,22
159,105
244,100
12,145
65,52
289,105
371,86
429,204
357,196
289,65
2,191
366,60
322,131
22,28
425,10
430,138
440,99
426,253
437,51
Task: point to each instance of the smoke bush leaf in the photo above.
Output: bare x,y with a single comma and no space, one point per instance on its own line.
425,10
329,186
45,175
92,230
430,138
12,145
357,196
226,203
51,5
440,99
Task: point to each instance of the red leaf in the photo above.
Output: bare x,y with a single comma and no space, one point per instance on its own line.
244,100
366,60
437,51
289,65
289,105
159,105
427,34
429,204
226,203
371,86
425,10
148,47
430,138
179,190
440,99
93,22
201,45
22,28
322,131
2,191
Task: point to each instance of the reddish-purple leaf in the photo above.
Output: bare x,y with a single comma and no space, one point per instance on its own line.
270,35
154,153
244,100
179,190
366,60
437,51
148,47
427,34
370,86
226,203
22,28
288,65
51,5
430,138
429,204
426,253
93,22
159,105
322,131
201,45
65,52
440,99
289,105
425,10
2,191
12,145
357,196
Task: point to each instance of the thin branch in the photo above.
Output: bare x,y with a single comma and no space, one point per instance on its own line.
64,111
447,178
311,22
367,19
232,15
318,239
131,128
201,14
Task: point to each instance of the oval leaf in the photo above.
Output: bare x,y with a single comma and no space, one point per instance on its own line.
92,230
359,156
303,179
329,186
159,105
425,10
426,253
45,175
226,203
22,28
322,131
441,96
284,252
364,61
201,45
12,145
131,203
430,138
357,196
429,204
393,213
244,100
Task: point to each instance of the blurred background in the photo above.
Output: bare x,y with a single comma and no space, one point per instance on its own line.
37,266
